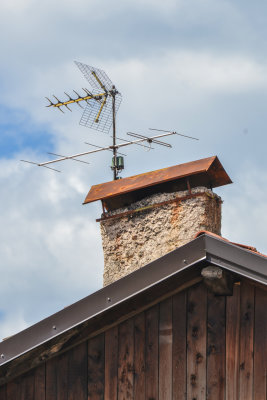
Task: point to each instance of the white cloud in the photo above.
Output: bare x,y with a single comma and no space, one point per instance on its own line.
178,64
208,72
244,210
12,324
49,243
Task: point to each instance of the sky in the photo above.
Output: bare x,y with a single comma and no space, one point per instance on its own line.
198,67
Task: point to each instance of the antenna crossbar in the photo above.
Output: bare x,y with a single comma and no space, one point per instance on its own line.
39,165
138,144
117,146
99,147
149,140
179,134
74,159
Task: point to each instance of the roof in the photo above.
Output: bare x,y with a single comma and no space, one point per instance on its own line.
138,290
207,172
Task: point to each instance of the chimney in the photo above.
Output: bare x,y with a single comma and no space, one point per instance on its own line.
148,215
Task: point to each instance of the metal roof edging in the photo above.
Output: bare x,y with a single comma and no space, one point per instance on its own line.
236,259
102,300
216,251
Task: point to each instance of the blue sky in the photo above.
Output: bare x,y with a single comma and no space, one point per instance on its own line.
19,132
198,67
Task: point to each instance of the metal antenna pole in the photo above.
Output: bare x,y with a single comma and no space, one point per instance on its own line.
115,171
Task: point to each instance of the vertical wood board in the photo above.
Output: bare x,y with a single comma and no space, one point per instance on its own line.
260,351
196,341
51,380
111,363
246,340
125,360
165,350
39,383
3,392
216,347
139,357
179,345
27,386
62,369
152,352
96,368
13,389
78,370
232,344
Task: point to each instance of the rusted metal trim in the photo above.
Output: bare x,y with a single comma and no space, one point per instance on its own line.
163,203
210,167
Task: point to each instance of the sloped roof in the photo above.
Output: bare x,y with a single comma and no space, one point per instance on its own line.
207,172
178,269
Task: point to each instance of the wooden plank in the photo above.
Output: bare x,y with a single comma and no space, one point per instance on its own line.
27,386
39,383
96,368
246,341
152,351
139,357
111,363
125,360
96,326
260,350
196,339
3,392
216,347
179,346
13,389
51,379
77,376
165,350
62,368
232,344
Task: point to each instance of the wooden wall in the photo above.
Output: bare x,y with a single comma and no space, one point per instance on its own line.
190,346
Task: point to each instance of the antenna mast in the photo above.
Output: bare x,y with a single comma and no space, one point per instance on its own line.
114,167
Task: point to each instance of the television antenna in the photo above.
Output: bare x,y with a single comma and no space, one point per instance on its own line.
102,104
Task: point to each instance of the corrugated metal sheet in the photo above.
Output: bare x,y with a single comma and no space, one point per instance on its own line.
211,167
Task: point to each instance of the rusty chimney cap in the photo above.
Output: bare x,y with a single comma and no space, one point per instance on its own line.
207,172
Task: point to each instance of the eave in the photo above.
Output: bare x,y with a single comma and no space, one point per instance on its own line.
139,290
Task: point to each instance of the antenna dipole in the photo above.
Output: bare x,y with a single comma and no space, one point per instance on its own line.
142,138
102,104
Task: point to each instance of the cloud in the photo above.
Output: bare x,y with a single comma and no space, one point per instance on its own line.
244,209
198,67
49,244
11,324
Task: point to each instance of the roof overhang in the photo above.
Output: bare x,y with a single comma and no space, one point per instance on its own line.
86,318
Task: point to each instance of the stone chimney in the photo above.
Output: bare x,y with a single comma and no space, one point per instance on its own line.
148,215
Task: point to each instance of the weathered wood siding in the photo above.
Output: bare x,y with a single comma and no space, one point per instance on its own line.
191,346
